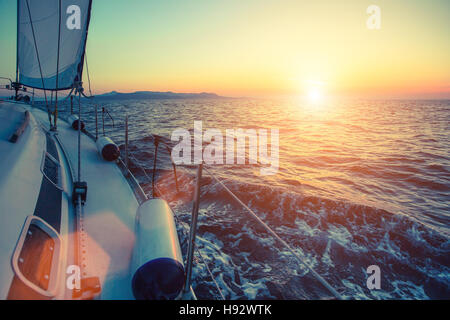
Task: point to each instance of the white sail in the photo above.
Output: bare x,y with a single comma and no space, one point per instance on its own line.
42,63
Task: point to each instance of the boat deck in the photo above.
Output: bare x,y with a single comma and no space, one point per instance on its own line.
109,213
105,232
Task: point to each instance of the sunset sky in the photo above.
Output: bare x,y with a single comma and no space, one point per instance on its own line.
262,47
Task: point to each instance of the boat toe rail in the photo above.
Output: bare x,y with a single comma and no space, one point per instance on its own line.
20,130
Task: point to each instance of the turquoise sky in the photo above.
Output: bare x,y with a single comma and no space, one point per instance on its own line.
258,47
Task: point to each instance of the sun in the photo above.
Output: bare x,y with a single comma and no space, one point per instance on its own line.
315,95
313,91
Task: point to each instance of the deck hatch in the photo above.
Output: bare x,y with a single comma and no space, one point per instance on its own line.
36,256
36,259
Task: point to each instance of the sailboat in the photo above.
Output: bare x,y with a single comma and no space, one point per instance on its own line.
75,223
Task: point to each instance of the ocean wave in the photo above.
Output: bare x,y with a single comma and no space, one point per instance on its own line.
361,184
339,239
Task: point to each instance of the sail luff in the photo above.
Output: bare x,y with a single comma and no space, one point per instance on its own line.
85,41
55,115
59,43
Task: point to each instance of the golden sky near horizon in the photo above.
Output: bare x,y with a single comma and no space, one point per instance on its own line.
266,47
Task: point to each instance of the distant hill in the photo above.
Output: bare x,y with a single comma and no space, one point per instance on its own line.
114,95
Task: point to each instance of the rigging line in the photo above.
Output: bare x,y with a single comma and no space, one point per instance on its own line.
55,115
17,43
79,136
6,79
17,48
210,273
136,162
70,93
203,260
276,236
212,186
174,167
154,168
39,63
87,69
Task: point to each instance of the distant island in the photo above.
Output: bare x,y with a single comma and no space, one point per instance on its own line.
114,95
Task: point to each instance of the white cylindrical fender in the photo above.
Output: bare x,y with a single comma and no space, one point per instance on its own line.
107,149
157,265
74,120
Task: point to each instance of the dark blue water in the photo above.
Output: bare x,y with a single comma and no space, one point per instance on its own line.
360,183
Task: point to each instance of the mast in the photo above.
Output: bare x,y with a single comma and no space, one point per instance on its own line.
17,54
